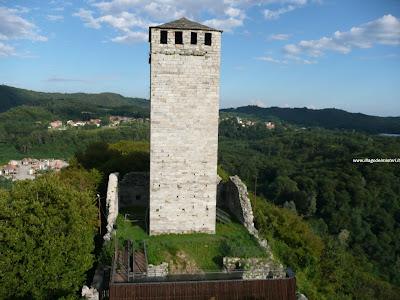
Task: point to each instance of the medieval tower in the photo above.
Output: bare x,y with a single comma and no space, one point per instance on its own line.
185,74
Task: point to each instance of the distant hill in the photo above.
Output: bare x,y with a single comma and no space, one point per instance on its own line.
329,118
76,105
72,105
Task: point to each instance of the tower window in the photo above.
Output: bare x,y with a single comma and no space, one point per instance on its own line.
164,37
178,37
207,39
193,38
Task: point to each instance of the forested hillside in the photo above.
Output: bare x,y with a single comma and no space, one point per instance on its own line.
25,120
329,118
354,208
74,105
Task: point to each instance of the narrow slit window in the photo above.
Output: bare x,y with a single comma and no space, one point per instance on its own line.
207,39
193,38
164,37
178,37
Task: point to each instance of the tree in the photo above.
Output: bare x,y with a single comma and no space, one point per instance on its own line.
46,238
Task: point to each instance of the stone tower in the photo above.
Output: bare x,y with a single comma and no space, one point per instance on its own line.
185,73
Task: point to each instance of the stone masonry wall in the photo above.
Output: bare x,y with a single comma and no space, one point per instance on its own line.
134,190
184,133
254,268
157,270
235,198
112,204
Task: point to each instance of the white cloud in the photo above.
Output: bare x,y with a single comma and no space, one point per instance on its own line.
279,37
224,24
286,60
272,60
285,7
55,18
233,12
383,31
131,37
123,21
292,49
158,10
87,17
13,26
275,14
21,9
134,16
234,18
259,103
6,50
293,2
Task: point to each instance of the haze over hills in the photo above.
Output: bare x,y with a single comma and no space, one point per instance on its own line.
72,105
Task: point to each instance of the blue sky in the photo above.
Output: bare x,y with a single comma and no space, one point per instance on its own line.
288,53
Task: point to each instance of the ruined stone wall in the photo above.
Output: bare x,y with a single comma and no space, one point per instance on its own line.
134,190
234,197
112,204
184,133
157,270
255,268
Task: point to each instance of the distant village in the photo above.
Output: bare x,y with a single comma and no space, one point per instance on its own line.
248,123
115,121
29,168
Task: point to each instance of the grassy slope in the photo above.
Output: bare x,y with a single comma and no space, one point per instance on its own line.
207,250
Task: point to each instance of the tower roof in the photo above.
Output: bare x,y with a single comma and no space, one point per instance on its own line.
184,23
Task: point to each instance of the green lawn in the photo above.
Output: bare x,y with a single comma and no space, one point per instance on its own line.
206,250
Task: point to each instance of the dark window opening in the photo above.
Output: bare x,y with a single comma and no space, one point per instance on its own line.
193,38
178,37
138,197
164,37
207,39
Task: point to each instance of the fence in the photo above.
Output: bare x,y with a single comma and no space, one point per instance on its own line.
266,289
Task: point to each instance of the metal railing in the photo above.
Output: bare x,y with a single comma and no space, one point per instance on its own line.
130,249
145,255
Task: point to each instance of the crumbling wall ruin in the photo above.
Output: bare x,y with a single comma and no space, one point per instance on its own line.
134,189
254,268
112,204
234,197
